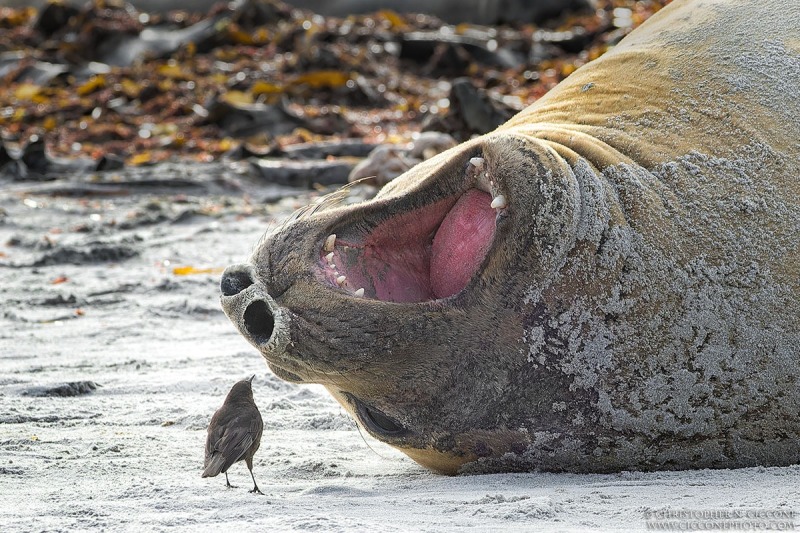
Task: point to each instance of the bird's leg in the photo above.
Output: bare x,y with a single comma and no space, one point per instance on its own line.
228,483
255,490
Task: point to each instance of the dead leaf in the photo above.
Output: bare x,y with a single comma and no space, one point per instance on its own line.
26,91
261,87
140,159
189,271
237,98
175,72
94,83
322,78
130,88
396,22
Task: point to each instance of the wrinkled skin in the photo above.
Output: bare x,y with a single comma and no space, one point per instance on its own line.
628,301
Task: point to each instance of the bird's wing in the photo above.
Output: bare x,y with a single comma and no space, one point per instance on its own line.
226,445
256,429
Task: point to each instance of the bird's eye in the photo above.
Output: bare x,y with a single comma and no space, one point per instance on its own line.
377,422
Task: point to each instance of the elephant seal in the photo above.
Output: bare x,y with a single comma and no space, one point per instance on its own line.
610,280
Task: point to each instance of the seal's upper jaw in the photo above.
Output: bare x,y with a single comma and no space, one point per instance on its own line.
431,238
424,239
448,233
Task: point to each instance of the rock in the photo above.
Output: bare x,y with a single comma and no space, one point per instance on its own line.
472,112
388,161
64,390
303,173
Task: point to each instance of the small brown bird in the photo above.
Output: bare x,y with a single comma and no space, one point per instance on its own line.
234,433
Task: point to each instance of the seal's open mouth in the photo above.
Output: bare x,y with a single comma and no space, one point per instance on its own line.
425,254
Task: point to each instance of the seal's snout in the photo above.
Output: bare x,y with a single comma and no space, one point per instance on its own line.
259,321
235,279
254,312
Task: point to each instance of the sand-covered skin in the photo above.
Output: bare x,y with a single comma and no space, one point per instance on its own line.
128,456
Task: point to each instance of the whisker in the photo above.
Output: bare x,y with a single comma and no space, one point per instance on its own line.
358,427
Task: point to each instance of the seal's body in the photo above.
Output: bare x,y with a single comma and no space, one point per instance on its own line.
610,280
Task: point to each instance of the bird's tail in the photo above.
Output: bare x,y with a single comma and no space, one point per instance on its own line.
214,466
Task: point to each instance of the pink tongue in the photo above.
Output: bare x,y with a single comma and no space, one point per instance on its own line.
461,243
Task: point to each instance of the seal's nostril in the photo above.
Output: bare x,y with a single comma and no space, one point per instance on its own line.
259,321
234,281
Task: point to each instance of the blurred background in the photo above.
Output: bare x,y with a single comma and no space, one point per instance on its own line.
107,84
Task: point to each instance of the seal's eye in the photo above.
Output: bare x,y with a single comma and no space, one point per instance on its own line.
382,421
377,422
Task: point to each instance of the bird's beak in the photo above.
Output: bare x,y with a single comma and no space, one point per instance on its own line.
251,379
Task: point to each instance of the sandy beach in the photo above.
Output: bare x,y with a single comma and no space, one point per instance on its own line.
91,294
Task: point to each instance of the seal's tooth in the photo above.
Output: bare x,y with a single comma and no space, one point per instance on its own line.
359,293
499,202
330,242
341,279
329,257
477,162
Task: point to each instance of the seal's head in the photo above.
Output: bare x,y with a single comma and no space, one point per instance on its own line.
411,308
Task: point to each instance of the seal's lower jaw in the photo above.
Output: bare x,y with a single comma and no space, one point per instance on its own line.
284,374
440,462
390,431
425,254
